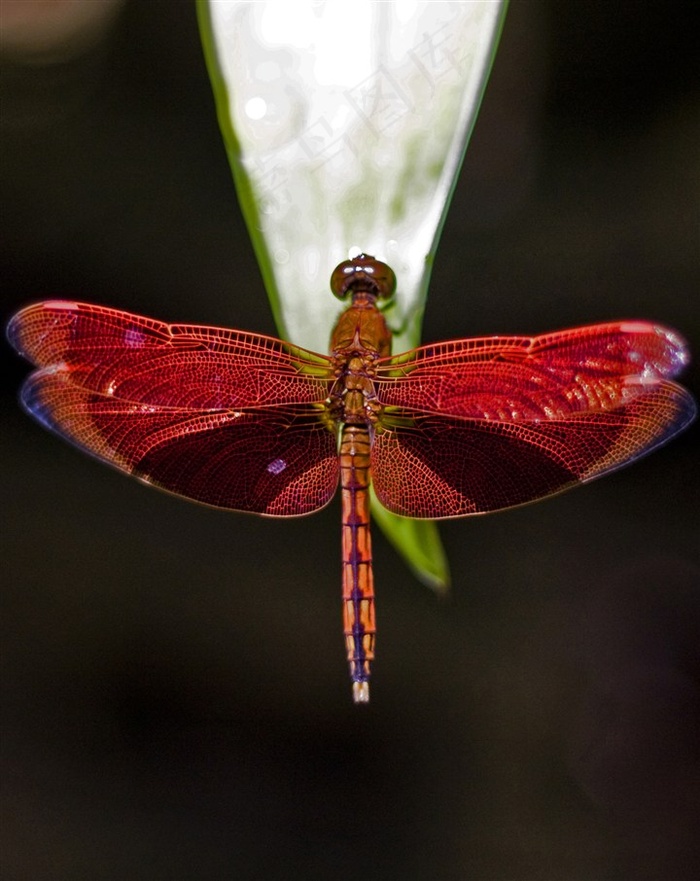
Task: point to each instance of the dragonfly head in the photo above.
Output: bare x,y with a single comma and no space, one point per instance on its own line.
363,274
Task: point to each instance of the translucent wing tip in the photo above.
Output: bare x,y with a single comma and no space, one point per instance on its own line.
679,349
360,692
14,330
29,327
674,354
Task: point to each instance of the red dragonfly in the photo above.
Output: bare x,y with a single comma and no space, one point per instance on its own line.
252,423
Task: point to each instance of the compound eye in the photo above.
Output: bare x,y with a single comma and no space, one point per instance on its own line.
363,273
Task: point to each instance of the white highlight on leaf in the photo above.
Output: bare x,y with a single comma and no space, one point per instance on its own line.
256,108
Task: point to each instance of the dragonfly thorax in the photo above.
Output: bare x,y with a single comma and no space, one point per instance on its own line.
361,331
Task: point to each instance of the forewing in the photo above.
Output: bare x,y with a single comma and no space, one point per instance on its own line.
278,461
144,361
525,379
433,466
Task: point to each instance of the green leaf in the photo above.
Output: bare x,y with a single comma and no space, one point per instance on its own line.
345,127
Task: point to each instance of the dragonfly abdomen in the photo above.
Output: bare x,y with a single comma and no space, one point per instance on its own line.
358,581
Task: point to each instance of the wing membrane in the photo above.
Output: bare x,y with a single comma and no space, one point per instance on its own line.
277,461
433,466
138,359
516,379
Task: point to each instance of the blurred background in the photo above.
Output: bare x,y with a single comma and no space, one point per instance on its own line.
175,694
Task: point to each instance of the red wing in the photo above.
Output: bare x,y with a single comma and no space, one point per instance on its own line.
280,461
522,379
436,466
479,425
174,365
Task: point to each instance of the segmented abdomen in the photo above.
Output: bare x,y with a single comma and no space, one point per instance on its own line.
358,581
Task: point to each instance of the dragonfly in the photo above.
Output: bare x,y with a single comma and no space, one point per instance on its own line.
251,423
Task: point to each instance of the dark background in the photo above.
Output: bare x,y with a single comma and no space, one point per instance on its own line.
175,694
